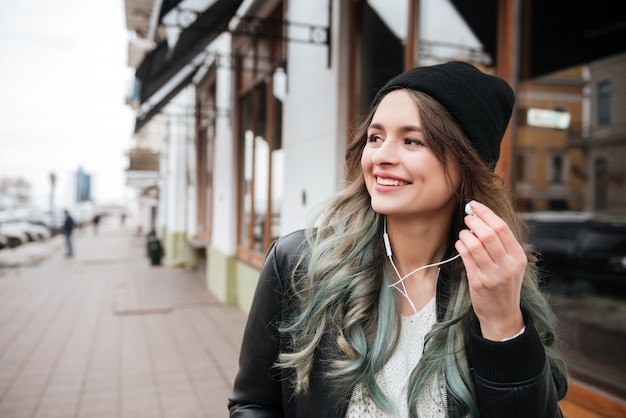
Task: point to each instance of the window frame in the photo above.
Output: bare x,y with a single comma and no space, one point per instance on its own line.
605,98
206,114
256,62
557,176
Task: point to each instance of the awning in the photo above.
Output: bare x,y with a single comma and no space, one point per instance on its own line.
167,6
186,74
556,34
163,63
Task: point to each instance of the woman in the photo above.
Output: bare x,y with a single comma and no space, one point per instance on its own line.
402,302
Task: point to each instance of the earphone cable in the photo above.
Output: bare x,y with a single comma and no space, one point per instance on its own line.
401,278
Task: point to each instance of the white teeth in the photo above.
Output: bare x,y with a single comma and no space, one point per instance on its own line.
390,182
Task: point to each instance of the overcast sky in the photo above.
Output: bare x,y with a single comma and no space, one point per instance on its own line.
63,80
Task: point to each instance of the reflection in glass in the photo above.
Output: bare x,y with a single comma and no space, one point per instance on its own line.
246,187
261,176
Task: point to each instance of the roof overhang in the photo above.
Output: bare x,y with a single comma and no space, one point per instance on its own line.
163,63
554,35
161,98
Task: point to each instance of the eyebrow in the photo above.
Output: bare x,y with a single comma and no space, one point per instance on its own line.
407,128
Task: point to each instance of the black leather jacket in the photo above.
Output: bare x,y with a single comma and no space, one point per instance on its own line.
512,379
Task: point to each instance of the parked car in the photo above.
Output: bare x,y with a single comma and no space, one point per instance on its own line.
36,232
53,221
21,232
600,258
14,235
554,237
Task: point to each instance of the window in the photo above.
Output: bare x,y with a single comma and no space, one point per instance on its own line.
601,174
557,168
206,112
262,174
380,37
523,166
605,93
260,155
389,37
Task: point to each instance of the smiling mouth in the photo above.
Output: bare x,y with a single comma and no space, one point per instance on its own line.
390,182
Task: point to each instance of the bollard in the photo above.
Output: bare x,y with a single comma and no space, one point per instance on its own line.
154,249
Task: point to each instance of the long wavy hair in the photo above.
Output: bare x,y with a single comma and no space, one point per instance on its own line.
345,291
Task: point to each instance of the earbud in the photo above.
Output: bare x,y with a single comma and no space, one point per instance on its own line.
468,209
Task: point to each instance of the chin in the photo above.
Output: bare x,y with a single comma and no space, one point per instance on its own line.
384,209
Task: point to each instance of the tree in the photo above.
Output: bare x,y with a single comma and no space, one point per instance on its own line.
15,189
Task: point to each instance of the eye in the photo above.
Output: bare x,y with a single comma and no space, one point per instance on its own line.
374,138
414,141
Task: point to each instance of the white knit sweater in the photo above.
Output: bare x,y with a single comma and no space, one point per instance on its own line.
394,376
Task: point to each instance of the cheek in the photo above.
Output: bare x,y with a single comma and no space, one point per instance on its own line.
366,169
366,161
452,176
453,170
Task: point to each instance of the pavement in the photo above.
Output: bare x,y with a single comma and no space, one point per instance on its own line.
104,334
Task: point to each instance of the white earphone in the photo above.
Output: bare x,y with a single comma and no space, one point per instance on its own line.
401,278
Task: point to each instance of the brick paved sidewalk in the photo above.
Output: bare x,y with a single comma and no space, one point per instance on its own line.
104,334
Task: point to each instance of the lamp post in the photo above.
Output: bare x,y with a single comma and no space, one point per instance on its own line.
53,180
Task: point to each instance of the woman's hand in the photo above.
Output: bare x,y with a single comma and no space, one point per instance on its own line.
495,263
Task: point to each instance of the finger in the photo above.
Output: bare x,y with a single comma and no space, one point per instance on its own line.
468,260
475,258
487,237
490,228
476,271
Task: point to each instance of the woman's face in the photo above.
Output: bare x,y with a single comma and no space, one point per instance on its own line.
402,175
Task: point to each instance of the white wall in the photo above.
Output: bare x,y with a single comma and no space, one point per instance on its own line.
190,177
161,221
314,128
224,218
180,129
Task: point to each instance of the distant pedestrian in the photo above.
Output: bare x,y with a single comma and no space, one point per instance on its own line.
68,227
96,222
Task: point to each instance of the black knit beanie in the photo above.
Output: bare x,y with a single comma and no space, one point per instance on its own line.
480,103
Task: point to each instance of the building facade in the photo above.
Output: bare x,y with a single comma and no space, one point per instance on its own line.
606,160
245,109
550,157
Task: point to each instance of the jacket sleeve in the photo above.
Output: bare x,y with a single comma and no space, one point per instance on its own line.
513,378
258,387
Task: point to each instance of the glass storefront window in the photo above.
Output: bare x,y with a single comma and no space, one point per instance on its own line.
261,170
246,186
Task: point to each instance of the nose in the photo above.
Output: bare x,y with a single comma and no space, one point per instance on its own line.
387,153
